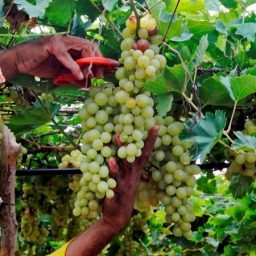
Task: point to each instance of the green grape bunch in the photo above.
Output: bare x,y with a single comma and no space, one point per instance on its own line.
116,120
244,163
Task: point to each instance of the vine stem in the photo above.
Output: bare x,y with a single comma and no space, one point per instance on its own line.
29,35
192,104
110,22
232,118
181,60
169,25
133,8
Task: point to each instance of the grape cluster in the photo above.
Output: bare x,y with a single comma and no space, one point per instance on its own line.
74,159
172,176
244,163
125,111
141,62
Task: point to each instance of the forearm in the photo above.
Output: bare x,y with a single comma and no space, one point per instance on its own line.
8,63
93,240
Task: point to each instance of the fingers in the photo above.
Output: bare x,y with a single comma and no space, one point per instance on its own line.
113,167
148,147
118,140
66,60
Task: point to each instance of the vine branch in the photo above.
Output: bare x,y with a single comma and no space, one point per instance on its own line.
171,20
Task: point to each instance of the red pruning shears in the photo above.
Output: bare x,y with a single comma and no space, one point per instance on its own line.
107,64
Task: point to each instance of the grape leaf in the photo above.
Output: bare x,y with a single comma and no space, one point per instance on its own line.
213,92
164,104
157,86
240,185
109,4
240,87
247,30
33,117
60,12
187,6
32,10
183,37
85,7
171,79
229,3
205,133
244,142
79,26
243,86
200,50
212,5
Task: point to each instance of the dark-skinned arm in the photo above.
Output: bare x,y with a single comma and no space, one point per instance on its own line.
118,210
48,57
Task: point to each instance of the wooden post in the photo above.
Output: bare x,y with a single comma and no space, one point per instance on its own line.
8,224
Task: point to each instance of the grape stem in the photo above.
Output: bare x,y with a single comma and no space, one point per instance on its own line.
232,118
107,18
181,60
133,8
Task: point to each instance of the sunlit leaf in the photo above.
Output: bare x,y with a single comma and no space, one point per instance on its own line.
244,142
200,50
33,10
204,133
109,4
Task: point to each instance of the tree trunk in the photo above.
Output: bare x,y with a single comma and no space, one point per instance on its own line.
8,224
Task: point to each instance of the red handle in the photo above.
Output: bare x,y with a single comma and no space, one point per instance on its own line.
108,64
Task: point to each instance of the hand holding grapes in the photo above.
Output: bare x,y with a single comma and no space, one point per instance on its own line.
118,210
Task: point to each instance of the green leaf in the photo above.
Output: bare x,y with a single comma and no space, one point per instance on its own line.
85,7
212,5
200,50
187,6
157,86
243,86
213,92
221,43
164,104
244,142
79,26
240,185
199,27
33,10
229,3
176,30
171,79
204,133
183,37
33,117
176,78
247,30
60,12
109,4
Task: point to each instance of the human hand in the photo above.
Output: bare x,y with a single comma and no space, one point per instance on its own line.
118,210
55,55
